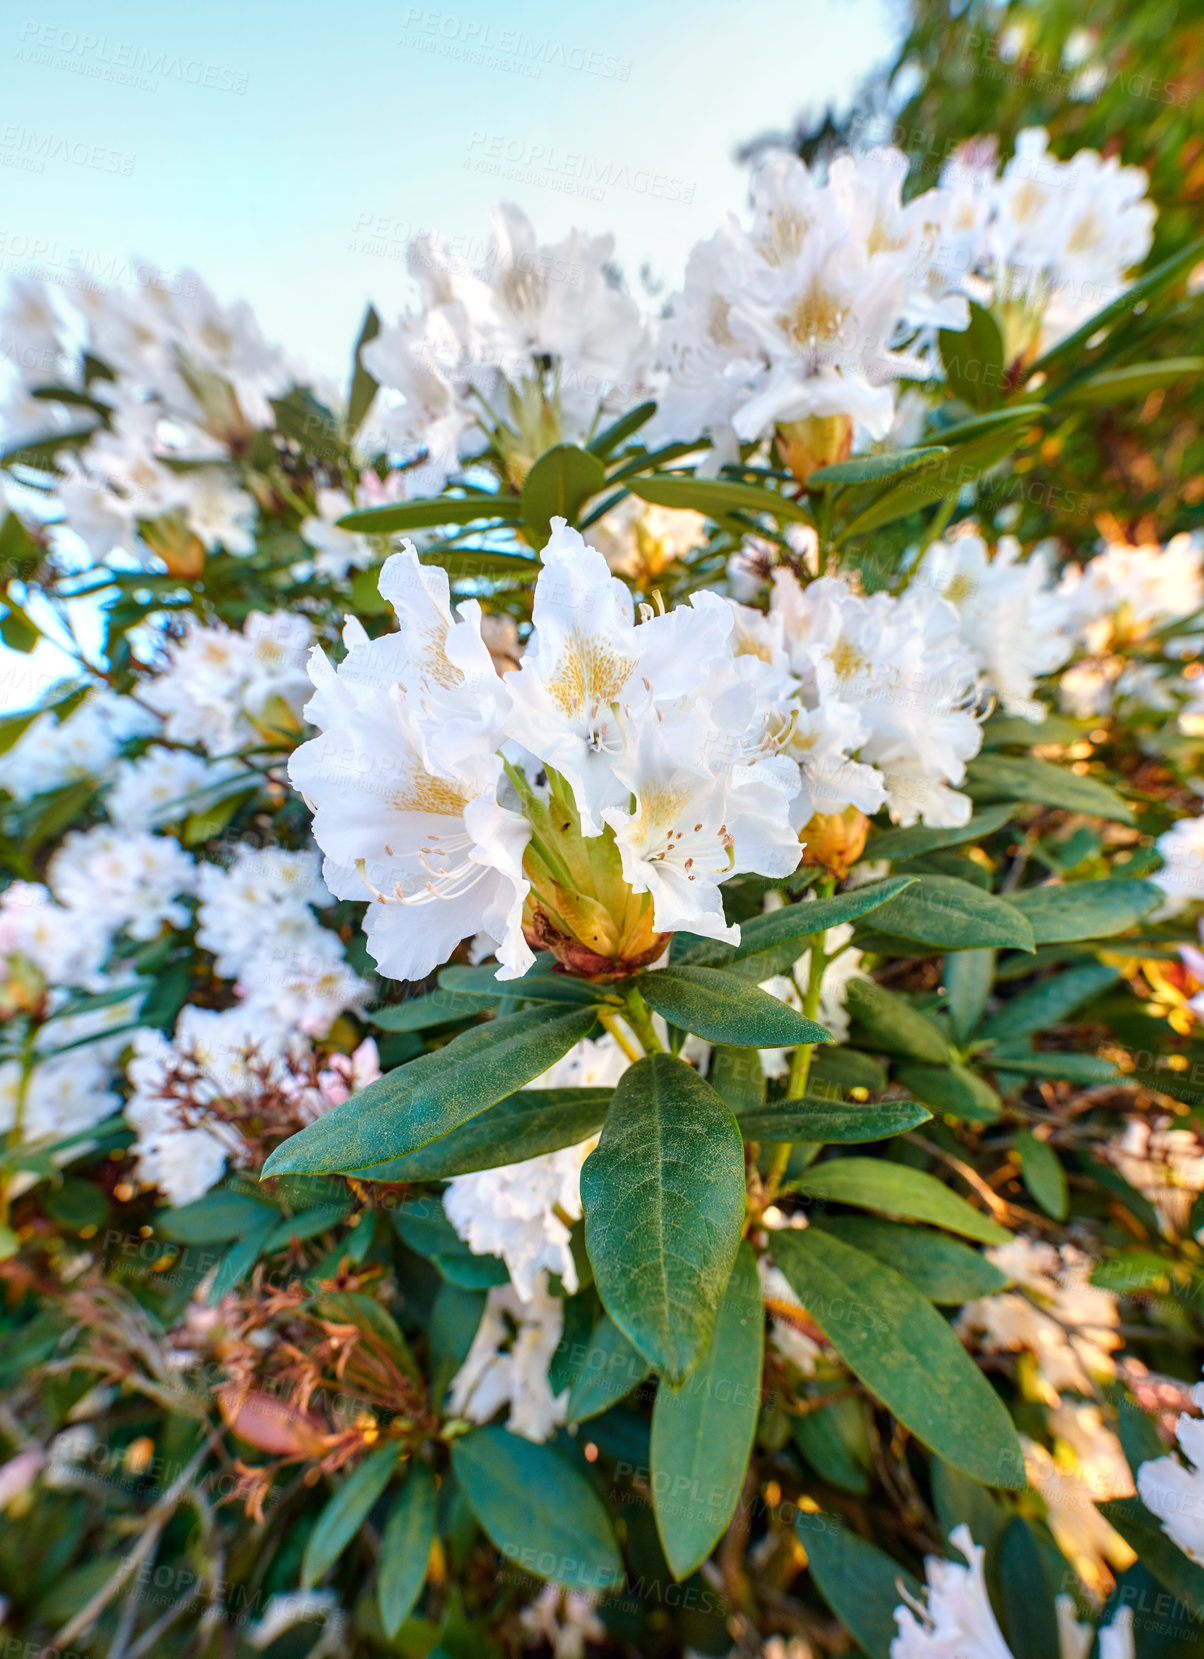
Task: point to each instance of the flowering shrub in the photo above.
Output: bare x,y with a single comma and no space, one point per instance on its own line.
600,969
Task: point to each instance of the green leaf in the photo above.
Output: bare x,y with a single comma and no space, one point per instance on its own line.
421,514
738,1078
891,1024
537,1509
406,1547
558,486
534,986
1061,912
1134,380
955,915
870,469
969,979
610,1368
941,1268
1021,778
815,1119
434,1094
1046,1004
441,1007
617,433
716,497
1086,1069
875,1184
794,924
1070,350
973,359
845,1068
953,1090
904,1352
363,386
524,1125
241,1257
1139,1439
1043,1174
703,1434
899,844
346,1512
823,1436
220,1215
935,481
859,1582
960,1500
979,425
664,1209
1143,1532
1030,1620
726,1009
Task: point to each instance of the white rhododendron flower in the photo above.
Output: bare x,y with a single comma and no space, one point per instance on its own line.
151,790
51,752
507,1364
1125,592
66,946
60,1096
796,322
224,690
1010,616
956,1621
1172,1488
128,879
335,551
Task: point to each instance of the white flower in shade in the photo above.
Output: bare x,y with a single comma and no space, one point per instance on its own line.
957,1621
522,1212
564,1619
216,510
67,947
507,1364
792,1343
129,878
51,752
1125,592
1066,1322
62,1095
796,322
287,1609
1012,620
149,791
232,1057
1165,1164
1182,851
1173,1489
224,690
404,781
877,698
335,551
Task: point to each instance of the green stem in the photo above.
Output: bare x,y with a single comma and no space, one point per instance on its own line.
640,1020
800,1062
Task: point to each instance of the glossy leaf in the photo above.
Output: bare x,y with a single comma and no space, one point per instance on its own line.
953,1090
434,1094
1133,380
1021,778
815,1119
1030,1620
558,486
346,1512
953,915
875,1184
716,497
421,514
969,978
890,1023
1061,912
900,844
524,1125
703,1433
664,1208
871,469
1043,1174
941,1268
536,1508
405,1548
973,359
860,1583
724,1008
609,1370
904,1352
794,924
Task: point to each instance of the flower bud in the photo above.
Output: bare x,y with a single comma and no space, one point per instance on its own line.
835,841
814,442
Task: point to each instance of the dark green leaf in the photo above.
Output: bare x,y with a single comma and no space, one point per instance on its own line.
610,437
953,914
702,1434
818,1435
664,1209
346,1512
220,1215
899,844
610,1369
1143,1533
536,1508
534,986
439,1007
1021,778
1030,1620
969,978
558,486
1043,1174
363,386
941,1268
1048,1003
524,1125
1086,1069
815,1119
891,1024
436,509
860,1583
1134,380
871,469
405,1548
241,1257
937,480
726,1009
973,359
716,497
795,923
1060,912
434,1094
875,1184
953,1090
891,1337
845,1068
738,1078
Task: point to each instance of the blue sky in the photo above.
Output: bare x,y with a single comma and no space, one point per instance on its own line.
288,152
